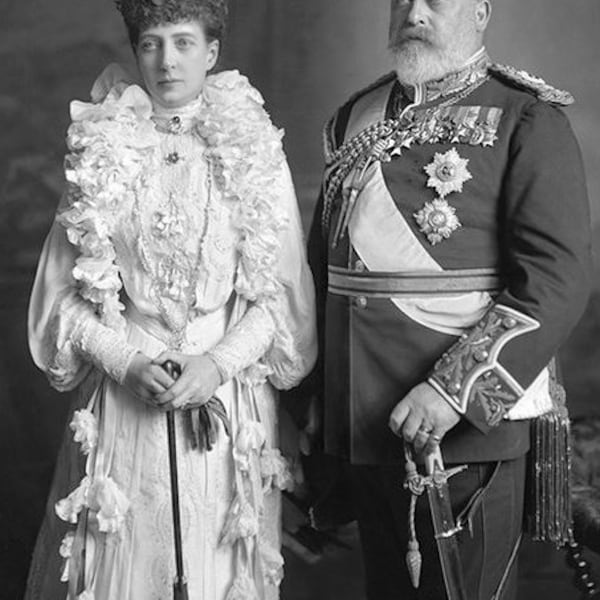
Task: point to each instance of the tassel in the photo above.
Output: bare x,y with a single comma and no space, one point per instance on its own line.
414,559
415,484
550,514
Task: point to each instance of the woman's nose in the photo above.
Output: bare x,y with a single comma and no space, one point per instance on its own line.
168,57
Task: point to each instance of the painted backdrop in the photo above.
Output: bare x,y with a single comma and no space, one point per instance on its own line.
306,56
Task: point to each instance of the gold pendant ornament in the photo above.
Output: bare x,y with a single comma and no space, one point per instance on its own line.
437,220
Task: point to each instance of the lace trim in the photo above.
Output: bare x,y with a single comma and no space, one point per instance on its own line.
104,348
288,357
109,147
244,345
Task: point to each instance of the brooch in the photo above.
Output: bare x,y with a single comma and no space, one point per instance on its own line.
447,174
437,220
172,158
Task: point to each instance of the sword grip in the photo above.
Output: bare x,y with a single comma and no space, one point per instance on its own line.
433,461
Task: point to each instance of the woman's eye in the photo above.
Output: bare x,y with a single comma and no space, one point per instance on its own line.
148,46
183,43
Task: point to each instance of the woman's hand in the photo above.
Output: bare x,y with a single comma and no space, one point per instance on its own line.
197,383
145,379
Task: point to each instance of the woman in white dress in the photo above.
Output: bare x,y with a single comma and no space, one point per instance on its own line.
178,238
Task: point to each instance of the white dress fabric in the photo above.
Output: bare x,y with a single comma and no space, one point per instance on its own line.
173,233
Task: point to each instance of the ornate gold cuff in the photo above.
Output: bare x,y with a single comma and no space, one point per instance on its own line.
469,375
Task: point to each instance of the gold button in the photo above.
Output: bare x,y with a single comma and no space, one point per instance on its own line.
360,302
509,322
453,388
481,355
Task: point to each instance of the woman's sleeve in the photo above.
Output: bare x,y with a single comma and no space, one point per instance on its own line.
276,337
66,338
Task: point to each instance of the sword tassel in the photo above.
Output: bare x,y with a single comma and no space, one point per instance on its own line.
415,484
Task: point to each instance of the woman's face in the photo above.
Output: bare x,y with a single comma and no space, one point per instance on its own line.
173,60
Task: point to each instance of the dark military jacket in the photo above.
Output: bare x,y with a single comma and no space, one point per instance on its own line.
468,193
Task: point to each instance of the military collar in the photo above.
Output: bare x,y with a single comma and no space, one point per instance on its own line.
473,73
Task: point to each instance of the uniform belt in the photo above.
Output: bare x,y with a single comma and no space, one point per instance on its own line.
344,282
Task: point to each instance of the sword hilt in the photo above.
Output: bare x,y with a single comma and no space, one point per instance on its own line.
434,466
434,461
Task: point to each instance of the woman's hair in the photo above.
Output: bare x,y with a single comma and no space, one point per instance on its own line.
139,15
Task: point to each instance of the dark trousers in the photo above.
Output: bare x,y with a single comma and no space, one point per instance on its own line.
488,555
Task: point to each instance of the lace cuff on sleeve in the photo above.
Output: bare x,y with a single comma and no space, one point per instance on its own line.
104,348
244,344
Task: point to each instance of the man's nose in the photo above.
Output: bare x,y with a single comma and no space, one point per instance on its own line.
417,13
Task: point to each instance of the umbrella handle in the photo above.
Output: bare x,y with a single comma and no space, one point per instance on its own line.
180,591
180,583
175,493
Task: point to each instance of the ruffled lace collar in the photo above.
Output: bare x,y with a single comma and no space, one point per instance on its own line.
112,143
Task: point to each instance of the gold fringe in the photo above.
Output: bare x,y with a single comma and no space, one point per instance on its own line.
549,514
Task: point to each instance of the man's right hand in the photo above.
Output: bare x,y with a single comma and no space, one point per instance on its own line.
146,380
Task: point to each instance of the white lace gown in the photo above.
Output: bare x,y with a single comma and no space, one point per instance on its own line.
176,229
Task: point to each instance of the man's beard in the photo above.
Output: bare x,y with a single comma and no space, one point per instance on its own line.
419,60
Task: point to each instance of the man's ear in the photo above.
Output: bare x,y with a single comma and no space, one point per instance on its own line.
483,12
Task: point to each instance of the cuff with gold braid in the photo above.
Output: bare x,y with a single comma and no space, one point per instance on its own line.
469,375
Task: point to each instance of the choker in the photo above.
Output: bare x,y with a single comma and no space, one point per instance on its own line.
177,120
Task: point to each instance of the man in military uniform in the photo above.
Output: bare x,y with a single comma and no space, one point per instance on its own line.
450,248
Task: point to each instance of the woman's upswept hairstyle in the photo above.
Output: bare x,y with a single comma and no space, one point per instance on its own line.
139,15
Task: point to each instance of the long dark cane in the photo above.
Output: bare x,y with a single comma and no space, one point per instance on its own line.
180,584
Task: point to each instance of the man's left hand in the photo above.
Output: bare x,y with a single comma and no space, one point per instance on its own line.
423,417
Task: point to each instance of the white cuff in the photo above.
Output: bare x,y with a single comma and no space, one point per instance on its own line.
244,344
104,348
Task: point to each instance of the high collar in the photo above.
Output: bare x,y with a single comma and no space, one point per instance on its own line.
473,72
179,119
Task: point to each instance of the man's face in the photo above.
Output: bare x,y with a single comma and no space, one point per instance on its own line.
174,59
436,36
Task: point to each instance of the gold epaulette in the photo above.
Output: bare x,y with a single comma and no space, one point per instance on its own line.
533,84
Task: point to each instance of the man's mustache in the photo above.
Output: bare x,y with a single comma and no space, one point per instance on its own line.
412,34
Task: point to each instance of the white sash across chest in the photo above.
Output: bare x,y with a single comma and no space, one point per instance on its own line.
384,241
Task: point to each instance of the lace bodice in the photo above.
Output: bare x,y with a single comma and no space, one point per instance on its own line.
175,240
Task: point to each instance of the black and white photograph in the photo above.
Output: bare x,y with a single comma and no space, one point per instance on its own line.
300,300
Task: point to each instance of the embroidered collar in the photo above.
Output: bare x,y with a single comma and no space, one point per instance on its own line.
473,73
